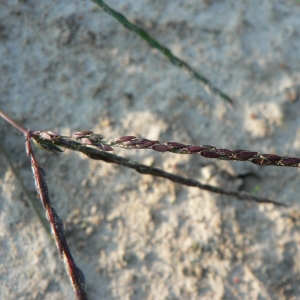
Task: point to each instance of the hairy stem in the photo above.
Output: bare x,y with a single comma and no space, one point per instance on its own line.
56,224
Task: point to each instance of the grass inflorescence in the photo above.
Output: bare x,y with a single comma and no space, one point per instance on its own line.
97,147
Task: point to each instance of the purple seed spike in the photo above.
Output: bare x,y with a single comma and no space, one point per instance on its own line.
195,149
176,145
224,151
162,148
260,161
210,154
271,157
45,136
86,141
146,144
244,155
290,161
81,134
126,138
134,142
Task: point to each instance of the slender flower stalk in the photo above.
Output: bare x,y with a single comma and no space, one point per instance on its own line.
12,122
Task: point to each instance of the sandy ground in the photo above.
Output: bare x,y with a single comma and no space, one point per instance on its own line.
68,66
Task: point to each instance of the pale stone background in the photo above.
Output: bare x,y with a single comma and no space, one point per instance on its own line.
68,66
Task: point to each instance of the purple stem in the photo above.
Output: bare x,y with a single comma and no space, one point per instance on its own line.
13,122
56,224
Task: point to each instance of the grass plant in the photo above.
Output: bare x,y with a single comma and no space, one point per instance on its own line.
96,146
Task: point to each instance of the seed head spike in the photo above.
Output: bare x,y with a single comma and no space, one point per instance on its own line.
81,134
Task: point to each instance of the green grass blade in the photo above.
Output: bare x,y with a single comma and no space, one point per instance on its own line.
155,44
